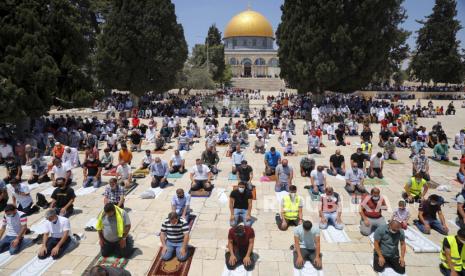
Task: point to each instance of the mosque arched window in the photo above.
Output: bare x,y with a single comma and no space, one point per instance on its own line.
274,62
233,61
260,61
246,61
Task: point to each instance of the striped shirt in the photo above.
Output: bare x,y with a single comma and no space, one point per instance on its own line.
13,224
175,232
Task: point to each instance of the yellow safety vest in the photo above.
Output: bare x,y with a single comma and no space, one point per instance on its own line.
119,221
366,147
416,188
457,258
291,209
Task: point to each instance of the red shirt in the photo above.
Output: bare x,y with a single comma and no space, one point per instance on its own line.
241,244
371,208
135,122
384,122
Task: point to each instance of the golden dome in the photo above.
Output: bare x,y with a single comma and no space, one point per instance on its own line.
249,23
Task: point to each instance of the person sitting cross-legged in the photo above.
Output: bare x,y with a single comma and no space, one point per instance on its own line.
386,248
14,225
291,210
241,240
114,193
415,189
177,163
307,245
159,172
441,151
174,238
63,198
200,177
240,205
330,211
113,227
57,236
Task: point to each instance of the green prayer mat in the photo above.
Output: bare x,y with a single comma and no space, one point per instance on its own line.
390,161
375,182
175,175
232,177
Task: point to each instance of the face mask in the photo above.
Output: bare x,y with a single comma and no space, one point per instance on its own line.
375,198
91,159
241,190
392,231
55,222
10,216
292,195
433,203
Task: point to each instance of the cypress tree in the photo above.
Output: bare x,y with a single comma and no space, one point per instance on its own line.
213,36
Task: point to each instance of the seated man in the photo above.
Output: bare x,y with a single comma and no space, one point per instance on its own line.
3,196
416,146
92,170
166,132
22,198
124,174
451,252
291,210
14,224
240,205
210,158
354,180
240,248
386,248
223,137
211,140
177,163
180,203
307,164
461,172
13,169
459,141
174,238
340,135
314,144
259,146
284,175
371,209
376,166
159,171
112,142
285,137
441,151
366,147
114,193
244,138
390,150
272,159
288,149
337,164
71,157
113,227
318,181
135,139
415,189
61,170
420,164
237,158
244,174
39,170
307,245
183,141
125,155
159,142
107,159
330,211
63,198
146,160
233,144
428,212
200,177
56,238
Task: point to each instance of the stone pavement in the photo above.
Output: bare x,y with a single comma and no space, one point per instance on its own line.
209,234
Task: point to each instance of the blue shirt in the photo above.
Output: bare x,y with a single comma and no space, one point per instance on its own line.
272,159
180,203
159,169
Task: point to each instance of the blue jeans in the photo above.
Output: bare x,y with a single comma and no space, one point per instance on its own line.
183,147
331,219
240,213
460,177
441,157
171,248
434,224
92,181
321,189
281,187
5,244
339,171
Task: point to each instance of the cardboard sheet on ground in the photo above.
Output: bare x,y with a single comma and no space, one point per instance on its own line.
239,271
85,191
308,270
48,191
332,235
375,182
222,197
6,256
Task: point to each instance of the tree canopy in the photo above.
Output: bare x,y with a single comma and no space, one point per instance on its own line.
214,36
339,45
142,46
437,56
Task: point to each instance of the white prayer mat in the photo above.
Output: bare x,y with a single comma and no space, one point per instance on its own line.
85,191
389,272
6,256
308,270
39,227
48,191
452,222
332,235
239,271
420,243
91,224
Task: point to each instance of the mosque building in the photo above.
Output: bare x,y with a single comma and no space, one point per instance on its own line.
249,46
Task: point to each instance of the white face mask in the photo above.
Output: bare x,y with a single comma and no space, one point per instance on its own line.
292,195
241,190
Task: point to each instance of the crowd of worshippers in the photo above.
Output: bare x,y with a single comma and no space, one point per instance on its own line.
62,137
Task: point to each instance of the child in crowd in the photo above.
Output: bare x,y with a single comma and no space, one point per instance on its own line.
401,214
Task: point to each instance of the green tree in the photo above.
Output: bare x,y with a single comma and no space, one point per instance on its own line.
28,73
214,36
194,78
142,47
437,55
339,45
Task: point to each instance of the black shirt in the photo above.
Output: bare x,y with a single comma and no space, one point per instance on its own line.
135,138
337,160
92,167
367,135
62,197
12,167
385,134
244,173
241,200
429,211
339,134
359,159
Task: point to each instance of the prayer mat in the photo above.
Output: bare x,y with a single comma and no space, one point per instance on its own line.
356,197
191,221
239,271
142,171
111,172
139,175
222,145
254,191
160,151
232,177
375,182
446,163
332,235
307,270
266,178
200,193
433,184
394,162
6,256
302,152
175,175
106,261
130,189
172,267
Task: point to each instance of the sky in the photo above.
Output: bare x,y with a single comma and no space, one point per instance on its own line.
196,16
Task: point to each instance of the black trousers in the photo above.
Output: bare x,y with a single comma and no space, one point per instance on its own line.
114,249
51,243
239,258
389,262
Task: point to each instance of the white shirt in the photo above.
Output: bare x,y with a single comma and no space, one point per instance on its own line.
376,161
201,174
124,171
23,200
237,158
56,230
150,135
71,158
61,171
111,140
13,224
318,177
177,160
5,150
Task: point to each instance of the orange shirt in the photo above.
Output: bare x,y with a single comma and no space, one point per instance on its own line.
125,155
58,151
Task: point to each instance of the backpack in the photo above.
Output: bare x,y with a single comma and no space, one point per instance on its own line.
41,201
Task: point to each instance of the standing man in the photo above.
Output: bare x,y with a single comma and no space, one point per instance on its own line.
284,176
159,171
14,224
113,227
174,238
307,245
240,205
57,236
241,240
386,248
